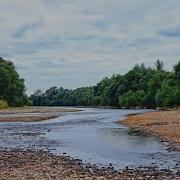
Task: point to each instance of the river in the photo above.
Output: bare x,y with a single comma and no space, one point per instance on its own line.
92,136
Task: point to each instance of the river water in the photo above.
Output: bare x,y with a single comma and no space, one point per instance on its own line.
91,135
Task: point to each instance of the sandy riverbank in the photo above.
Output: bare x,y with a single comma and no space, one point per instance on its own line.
164,124
27,118
37,109
15,114
28,164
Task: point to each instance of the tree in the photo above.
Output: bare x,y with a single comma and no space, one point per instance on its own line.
159,65
132,99
177,72
140,87
12,88
168,96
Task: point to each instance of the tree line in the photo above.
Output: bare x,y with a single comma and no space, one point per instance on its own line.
142,87
12,88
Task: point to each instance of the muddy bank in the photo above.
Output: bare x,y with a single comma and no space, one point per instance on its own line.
28,164
165,125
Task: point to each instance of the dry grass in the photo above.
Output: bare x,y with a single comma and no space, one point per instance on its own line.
3,104
165,124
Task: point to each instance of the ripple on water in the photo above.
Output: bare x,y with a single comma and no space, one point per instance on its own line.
92,136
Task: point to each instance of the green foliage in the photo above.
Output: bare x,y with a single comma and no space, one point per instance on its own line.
168,96
3,104
159,65
177,72
12,88
29,103
132,99
141,87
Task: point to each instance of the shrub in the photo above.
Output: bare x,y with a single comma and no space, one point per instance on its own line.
29,103
3,104
168,96
132,99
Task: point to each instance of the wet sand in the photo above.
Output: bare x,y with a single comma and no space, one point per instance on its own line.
28,164
164,124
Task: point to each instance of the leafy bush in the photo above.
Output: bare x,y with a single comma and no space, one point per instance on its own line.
132,99
29,103
12,88
3,104
168,96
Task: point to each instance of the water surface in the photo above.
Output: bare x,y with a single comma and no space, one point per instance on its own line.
91,135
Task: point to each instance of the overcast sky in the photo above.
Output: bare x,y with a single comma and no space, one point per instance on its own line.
73,43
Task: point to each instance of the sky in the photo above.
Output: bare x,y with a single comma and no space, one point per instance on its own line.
74,43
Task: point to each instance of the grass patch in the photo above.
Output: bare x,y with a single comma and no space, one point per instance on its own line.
3,104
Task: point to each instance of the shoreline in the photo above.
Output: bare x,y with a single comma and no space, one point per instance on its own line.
28,114
163,124
31,164
27,118
27,163
38,109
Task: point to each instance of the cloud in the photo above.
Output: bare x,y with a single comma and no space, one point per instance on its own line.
32,27
171,32
77,43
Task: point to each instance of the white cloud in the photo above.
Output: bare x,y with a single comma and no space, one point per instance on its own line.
76,43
